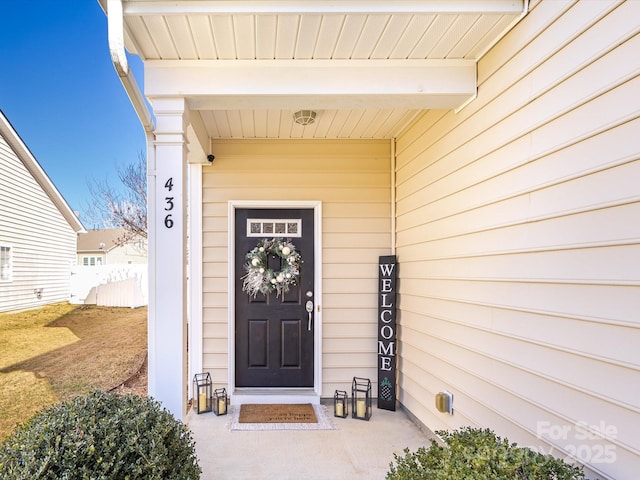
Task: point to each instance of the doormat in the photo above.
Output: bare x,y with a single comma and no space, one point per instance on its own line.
277,413
279,417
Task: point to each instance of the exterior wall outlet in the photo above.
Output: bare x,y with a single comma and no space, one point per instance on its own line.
444,402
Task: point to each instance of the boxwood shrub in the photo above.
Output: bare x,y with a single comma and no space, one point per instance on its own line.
101,436
478,454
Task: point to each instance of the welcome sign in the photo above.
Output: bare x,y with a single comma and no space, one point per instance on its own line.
387,276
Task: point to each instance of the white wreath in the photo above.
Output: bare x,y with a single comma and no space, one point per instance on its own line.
260,278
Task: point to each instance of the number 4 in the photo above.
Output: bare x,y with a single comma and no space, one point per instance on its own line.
169,184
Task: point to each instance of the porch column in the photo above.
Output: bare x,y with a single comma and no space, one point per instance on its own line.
167,190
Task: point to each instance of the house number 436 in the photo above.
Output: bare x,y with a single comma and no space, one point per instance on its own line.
168,206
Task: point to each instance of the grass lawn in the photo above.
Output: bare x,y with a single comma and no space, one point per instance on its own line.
59,351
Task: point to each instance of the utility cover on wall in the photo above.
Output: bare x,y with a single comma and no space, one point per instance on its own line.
444,402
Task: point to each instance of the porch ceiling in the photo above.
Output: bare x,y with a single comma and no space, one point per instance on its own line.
367,67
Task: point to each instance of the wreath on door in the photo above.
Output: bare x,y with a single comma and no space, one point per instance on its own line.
262,279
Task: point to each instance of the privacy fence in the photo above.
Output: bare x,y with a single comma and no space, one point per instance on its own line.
120,285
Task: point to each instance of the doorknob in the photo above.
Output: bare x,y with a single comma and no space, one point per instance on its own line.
309,307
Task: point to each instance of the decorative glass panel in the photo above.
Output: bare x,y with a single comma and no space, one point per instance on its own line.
269,227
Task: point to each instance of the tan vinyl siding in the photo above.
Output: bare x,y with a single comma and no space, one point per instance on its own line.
43,244
352,180
519,241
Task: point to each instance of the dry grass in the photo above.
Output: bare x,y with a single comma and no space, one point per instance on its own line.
59,351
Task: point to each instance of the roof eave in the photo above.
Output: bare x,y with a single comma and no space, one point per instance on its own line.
30,162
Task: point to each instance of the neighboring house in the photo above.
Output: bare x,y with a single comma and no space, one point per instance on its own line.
110,271
493,146
38,229
107,247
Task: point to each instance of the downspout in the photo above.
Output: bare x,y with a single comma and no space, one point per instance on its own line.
115,30
115,24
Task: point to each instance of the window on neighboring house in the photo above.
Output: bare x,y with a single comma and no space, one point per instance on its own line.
5,263
91,261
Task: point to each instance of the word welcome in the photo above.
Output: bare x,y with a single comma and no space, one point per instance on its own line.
387,332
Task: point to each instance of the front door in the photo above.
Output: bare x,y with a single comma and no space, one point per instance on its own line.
274,331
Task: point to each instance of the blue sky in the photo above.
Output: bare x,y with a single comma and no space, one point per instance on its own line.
59,90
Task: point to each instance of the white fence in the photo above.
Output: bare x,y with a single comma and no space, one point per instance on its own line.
121,285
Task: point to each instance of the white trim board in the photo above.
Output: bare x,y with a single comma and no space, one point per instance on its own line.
194,285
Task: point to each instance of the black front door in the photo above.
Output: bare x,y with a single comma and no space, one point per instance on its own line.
274,333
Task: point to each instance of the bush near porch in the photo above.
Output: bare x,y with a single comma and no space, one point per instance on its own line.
479,454
103,436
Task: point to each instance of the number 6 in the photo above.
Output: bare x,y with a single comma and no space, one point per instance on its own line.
168,221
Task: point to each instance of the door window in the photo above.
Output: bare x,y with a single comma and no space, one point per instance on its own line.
269,227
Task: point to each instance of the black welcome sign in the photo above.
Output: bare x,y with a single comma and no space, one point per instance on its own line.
387,276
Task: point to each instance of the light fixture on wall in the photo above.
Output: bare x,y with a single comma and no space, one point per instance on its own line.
304,117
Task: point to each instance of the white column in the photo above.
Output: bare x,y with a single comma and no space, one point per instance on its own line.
167,257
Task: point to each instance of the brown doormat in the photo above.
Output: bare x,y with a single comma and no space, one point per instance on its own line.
277,413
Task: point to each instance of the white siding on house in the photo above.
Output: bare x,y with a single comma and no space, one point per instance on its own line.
352,179
43,243
129,253
519,241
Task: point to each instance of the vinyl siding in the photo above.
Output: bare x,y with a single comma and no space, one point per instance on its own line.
519,241
42,241
352,179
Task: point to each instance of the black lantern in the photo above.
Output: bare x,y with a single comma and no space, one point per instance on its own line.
340,404
361,398
220,401
202,387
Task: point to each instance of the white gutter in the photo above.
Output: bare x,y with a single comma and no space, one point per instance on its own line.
317,7
115,24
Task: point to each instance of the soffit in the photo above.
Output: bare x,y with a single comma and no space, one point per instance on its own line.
174,38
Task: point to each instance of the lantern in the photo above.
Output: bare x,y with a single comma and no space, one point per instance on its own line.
202,387
361,398
340,404
220,401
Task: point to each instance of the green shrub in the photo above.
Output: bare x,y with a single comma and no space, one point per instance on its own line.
101,436
477,454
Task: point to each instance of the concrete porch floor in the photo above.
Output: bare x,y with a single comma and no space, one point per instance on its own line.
356,449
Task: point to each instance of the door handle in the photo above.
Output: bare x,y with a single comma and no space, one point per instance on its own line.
309,307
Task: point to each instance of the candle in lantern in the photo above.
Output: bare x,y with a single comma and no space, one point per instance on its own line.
361,409
202,402
339,409
222,406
